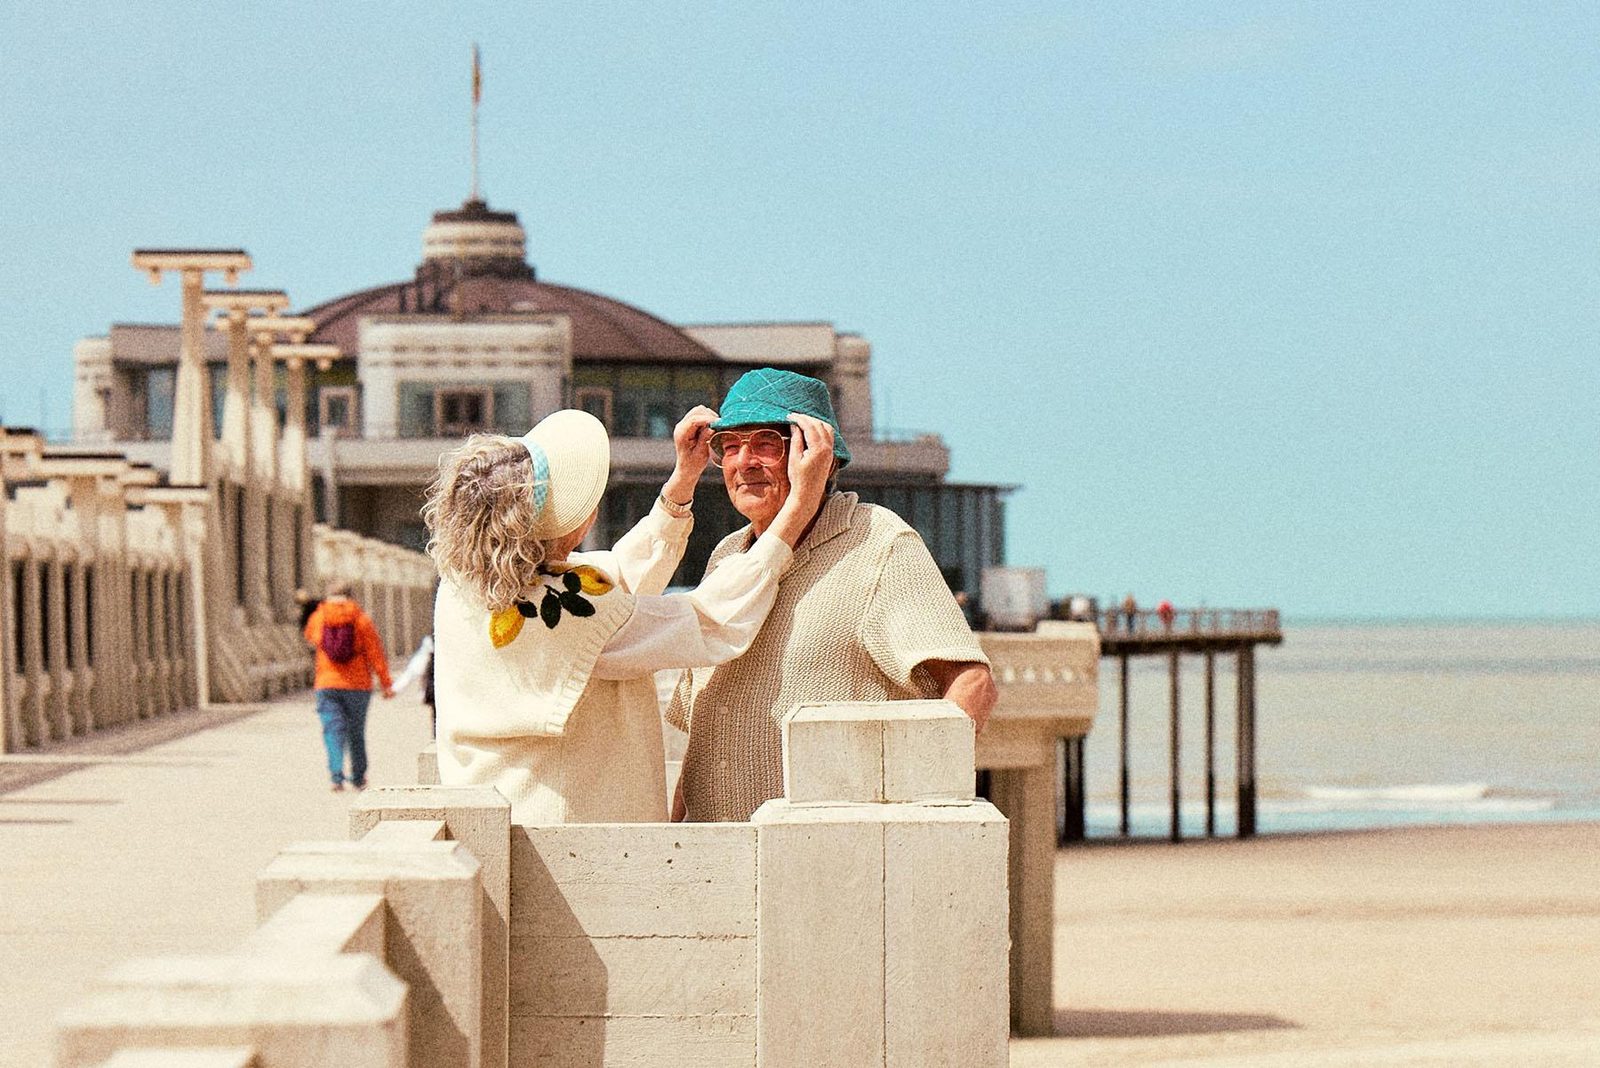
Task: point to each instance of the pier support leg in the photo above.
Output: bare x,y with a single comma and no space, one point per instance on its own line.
1246,755
1122,728
1174,755
1073,781
1211,744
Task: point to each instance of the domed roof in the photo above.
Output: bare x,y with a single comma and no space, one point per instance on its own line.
473,263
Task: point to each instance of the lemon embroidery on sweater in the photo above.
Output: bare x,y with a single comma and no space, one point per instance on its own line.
564,590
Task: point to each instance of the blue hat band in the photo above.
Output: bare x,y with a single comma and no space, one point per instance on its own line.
541,474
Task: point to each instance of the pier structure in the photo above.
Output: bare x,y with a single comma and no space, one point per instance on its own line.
1207,632
132,590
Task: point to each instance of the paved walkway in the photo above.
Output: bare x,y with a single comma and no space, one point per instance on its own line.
148,844
1466,946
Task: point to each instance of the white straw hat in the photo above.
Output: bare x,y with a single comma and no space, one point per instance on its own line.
571,459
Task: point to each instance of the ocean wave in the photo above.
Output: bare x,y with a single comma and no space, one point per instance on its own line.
1486,806
1424,793
1442,799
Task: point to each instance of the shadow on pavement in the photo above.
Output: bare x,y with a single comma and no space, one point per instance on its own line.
1137,1024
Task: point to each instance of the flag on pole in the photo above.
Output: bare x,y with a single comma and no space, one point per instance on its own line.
477,76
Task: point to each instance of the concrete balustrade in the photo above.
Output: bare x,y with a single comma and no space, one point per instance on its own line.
106,615
94,624
394,585
842,930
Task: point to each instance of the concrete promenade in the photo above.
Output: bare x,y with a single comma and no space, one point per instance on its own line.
1465,946
155,851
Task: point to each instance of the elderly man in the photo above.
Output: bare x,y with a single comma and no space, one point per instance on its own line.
862,614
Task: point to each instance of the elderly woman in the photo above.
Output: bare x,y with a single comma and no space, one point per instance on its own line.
543,655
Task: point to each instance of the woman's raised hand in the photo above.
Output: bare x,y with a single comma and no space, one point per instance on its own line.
691,440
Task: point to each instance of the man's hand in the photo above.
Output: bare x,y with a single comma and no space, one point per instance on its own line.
691,441
388,693
969,685
810,463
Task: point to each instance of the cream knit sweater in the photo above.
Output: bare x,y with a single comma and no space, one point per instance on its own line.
528,718
860,607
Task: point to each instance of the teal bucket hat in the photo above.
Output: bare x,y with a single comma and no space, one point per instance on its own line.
767,395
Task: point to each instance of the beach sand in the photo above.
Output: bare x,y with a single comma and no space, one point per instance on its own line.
1464,945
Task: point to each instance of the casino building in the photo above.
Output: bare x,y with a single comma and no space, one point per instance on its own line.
475,340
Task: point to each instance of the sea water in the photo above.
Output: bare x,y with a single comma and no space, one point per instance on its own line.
1368,725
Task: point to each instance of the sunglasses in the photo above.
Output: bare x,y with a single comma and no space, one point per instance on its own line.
768,447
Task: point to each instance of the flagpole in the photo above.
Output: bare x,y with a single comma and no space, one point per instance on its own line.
477,91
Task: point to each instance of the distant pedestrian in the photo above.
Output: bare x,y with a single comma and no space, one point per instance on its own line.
1167,613
349,654
1130,611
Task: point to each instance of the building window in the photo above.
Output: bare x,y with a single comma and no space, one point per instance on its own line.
645,402
336,410
596,400
459,412
158,394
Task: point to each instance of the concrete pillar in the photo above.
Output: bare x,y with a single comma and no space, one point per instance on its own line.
55,642
81,712
434,940
137,636
428,765
36,728
258,486
263,415
191,401
236,405
634,944
10,712
902,962
1027,797
480,819
195,528
158,635
294,427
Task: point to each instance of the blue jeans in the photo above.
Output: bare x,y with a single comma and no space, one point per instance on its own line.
344,726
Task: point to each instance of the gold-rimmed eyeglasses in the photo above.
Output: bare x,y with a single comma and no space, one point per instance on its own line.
766,445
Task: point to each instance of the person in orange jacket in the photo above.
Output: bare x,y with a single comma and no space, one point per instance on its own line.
349,654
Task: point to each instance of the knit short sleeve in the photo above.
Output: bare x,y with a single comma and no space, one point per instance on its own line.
912,617
682,699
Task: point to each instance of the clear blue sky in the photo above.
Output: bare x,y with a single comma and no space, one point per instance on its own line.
1288,304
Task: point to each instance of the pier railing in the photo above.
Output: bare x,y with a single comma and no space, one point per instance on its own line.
1258,624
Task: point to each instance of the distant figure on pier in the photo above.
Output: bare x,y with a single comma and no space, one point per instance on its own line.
1130,612
864,614
349,654
544,657
1167,614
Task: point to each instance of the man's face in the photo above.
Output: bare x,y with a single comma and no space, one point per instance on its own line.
757,490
